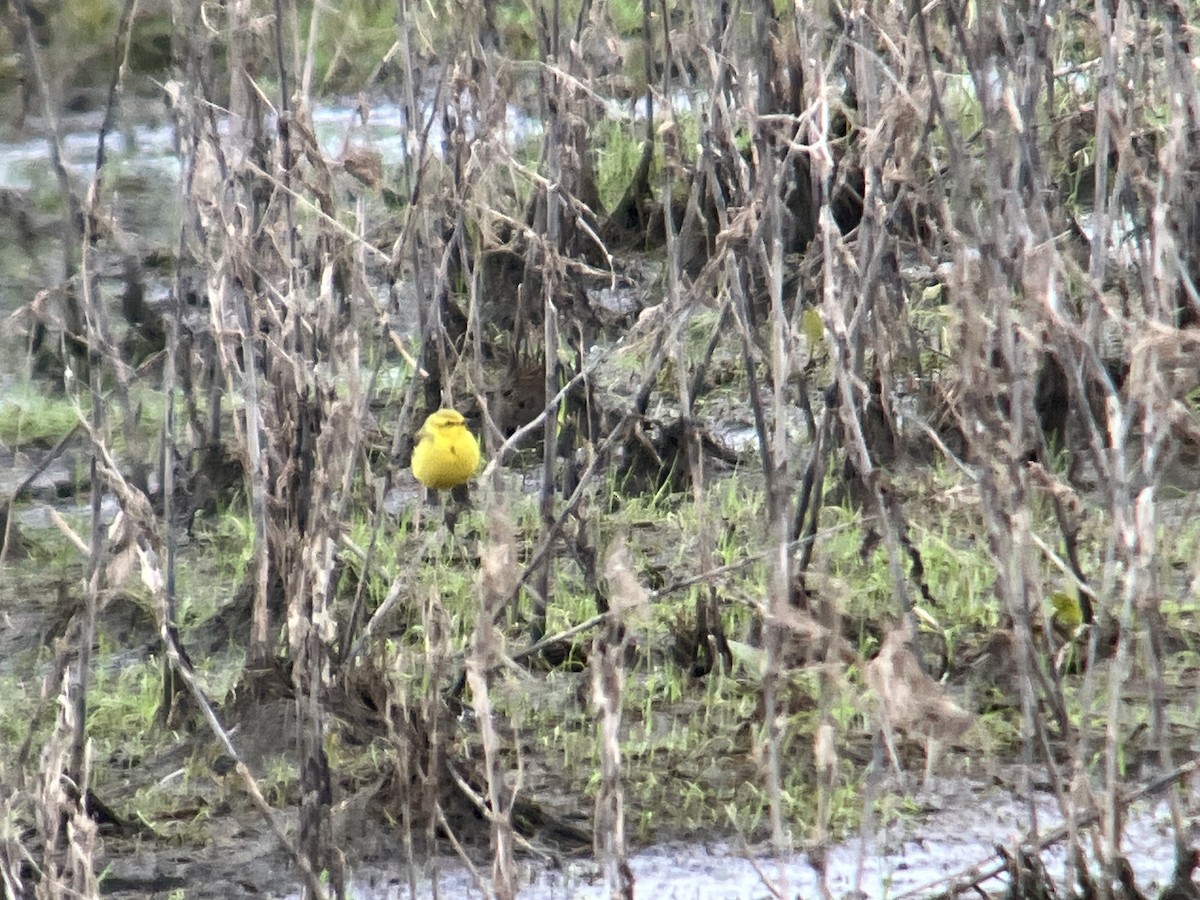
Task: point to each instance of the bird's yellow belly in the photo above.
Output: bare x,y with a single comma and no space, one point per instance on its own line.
442,464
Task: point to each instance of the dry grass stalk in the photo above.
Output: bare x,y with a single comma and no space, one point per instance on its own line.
498,573
499,568
627,600
825,759
68,835
12,852
499,796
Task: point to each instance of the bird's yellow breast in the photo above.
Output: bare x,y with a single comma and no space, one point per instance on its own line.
446,454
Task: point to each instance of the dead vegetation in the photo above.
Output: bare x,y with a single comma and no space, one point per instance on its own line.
890,240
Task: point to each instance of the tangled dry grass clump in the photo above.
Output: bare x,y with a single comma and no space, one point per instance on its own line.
938,270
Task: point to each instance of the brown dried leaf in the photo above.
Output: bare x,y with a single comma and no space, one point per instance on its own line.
626,593
499,569
824,751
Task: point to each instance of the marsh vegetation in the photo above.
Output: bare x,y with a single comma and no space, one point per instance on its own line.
837,378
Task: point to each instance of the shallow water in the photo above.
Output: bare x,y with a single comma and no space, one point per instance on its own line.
913,857
149,140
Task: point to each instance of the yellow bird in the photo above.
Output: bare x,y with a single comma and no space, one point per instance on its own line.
1068,613
447,454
